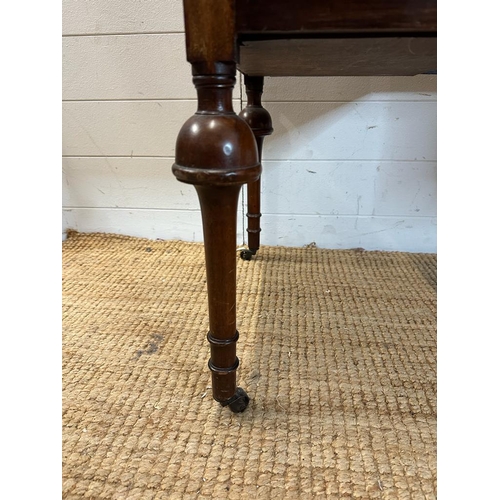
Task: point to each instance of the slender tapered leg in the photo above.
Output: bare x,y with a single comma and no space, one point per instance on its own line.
219,210
261,124
217,153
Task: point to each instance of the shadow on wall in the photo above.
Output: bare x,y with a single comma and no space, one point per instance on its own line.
375,118
371,143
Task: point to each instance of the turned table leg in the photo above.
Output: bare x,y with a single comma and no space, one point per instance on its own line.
260,122
217,153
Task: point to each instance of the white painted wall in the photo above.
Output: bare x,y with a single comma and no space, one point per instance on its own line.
351,163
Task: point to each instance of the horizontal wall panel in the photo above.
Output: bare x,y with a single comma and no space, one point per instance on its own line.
302,131
405,189
328,188
124,128
331,188
164,224
370,233
352,131
349,188
121,16
125,182
403,234
126,67
350,88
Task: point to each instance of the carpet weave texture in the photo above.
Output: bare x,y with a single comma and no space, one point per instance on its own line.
338,356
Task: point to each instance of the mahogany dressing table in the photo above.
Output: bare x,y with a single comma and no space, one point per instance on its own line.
218,151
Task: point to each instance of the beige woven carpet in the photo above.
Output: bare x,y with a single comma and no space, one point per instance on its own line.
338,353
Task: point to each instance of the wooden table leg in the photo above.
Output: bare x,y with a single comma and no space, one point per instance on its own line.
217,153
261,124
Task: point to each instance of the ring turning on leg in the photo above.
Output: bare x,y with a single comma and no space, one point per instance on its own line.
217,153
261,124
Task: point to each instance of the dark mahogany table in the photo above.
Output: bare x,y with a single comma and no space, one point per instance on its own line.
218,151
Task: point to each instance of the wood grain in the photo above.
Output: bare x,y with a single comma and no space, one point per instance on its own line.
320,16
366,56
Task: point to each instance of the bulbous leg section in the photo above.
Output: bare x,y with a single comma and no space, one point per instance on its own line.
216,151
238,402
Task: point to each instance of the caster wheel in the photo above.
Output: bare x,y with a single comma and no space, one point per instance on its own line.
238,402
246,254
